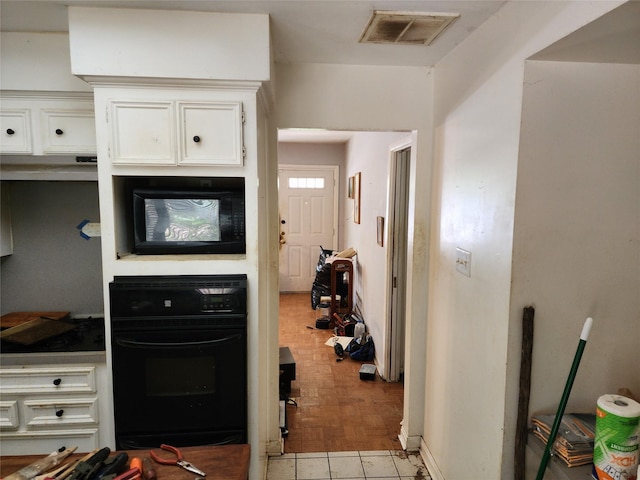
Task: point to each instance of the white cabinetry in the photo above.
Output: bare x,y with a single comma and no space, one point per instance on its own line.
45,125
176,132
44,408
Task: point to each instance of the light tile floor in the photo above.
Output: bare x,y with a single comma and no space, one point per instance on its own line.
381,465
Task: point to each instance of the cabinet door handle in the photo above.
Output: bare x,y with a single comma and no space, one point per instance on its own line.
10,131
59,413
196,139
57,381
59,132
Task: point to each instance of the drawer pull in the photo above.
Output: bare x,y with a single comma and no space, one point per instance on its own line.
59,413
59,132
196,139
57,381
10,131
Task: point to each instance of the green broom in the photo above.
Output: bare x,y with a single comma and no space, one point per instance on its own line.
565,396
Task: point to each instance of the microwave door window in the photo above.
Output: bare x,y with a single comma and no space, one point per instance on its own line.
182,220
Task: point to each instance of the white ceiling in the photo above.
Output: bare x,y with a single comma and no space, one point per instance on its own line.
303,31
327,31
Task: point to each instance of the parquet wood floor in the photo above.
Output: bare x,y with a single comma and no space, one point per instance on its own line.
336,411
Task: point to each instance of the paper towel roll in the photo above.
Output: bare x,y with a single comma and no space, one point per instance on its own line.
617,438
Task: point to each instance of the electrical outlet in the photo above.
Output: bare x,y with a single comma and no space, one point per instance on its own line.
463,262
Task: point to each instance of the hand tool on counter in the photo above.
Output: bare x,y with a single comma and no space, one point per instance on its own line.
148,472
136,462
43,465
130,474
178,461
85,468
115,465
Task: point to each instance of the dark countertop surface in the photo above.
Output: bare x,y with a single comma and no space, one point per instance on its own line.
86,336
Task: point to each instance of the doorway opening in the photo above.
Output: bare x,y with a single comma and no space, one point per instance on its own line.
330,408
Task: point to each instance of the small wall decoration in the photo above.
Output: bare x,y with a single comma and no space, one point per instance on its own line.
356,198
380,222
350,187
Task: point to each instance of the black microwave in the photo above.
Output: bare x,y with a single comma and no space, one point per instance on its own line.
188,221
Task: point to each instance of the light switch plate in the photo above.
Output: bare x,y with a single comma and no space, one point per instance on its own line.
463,262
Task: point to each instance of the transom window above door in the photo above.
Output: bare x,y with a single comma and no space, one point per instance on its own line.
306,182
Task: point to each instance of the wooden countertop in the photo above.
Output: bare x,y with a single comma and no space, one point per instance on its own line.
224,462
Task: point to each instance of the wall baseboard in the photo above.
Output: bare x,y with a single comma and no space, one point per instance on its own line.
430,462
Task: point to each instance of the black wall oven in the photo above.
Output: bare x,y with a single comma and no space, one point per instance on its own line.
179,350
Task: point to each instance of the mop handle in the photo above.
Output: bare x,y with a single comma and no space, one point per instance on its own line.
584,335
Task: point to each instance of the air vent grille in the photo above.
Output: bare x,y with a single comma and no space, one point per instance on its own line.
412,28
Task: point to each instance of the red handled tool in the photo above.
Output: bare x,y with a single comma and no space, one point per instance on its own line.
177,461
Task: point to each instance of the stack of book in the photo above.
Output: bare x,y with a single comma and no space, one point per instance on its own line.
574,442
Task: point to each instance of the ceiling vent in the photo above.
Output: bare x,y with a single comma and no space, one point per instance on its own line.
409,28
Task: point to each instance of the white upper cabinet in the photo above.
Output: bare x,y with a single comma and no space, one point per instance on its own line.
142,133
176,132
68,131
16,131
211,133
37,125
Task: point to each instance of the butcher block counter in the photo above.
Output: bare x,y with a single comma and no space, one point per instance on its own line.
223,462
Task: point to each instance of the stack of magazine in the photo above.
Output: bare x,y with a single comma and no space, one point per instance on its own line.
574,442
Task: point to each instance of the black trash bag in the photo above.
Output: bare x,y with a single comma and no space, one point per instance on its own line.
322,283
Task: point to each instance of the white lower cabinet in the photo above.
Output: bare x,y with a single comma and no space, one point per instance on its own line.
44,408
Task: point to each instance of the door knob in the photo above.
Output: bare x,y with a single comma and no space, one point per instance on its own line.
59,132
283,222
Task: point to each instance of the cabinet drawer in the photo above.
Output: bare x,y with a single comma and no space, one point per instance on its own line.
9,419
60,379
45,442
68,131
15,131
65,412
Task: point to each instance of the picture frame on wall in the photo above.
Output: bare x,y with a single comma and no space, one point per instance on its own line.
350,187
356,197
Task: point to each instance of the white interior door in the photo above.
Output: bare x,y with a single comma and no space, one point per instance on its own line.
308,202
397,241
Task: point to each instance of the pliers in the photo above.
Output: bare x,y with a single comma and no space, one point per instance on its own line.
178,461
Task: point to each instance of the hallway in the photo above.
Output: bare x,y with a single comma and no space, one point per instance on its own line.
336,411
340,426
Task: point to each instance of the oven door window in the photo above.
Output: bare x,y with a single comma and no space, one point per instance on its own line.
181,376
177,381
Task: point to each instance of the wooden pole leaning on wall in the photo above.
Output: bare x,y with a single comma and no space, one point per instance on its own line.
522,423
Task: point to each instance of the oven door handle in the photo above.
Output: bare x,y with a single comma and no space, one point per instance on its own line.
137,344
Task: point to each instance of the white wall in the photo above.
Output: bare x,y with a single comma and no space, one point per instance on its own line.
26,55
468,428
52,267
369,153
577,228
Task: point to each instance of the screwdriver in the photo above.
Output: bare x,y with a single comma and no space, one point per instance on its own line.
148,472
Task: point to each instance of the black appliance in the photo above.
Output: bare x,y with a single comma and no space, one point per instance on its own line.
189,220
179,349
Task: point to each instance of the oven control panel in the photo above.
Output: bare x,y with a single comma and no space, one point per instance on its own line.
178,295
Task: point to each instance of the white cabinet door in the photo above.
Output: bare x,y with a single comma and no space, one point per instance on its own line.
143,133
68,131
15,135
211,133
